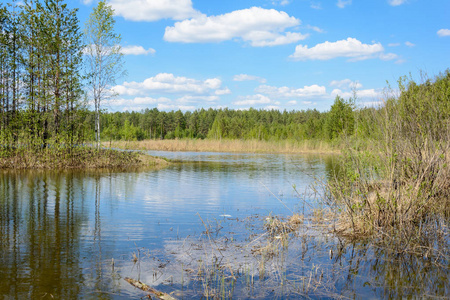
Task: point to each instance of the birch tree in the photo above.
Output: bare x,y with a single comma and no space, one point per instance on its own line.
103,56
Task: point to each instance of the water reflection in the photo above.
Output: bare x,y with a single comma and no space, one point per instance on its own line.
40,235
73,234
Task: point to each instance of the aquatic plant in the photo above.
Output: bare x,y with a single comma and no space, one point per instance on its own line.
399,192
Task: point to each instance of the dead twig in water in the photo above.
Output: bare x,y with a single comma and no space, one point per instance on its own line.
142,286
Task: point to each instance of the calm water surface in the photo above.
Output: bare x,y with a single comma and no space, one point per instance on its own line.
77,234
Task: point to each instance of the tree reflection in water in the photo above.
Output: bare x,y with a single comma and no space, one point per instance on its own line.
59,232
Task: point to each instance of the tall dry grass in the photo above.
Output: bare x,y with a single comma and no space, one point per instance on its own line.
400,191
224,145
76,158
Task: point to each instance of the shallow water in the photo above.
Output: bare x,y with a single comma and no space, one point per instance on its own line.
77,234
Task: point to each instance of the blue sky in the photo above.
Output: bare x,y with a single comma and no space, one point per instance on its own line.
280,54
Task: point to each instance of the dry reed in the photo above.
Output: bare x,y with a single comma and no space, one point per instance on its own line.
399,193
224,145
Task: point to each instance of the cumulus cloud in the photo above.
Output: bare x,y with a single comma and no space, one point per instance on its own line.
347,88
252,100
245,77
343,3
137,50
137,103
396,2
350,48
125,50
258,26
169,83
224,91
409,44
346,84
175,107
196,99
272,107
443,32
154,10
360,94
168,92
292,93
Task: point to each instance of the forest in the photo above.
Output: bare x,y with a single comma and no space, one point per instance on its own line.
232,124
45,104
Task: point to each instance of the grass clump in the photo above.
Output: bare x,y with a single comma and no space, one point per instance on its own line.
400,190
276,226
74,158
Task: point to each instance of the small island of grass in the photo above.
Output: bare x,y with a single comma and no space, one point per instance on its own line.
76,158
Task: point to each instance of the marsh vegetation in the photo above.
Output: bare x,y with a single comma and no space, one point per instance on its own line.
398,193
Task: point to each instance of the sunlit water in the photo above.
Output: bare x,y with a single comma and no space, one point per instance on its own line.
78,234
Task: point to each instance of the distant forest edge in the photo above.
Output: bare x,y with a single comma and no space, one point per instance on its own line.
44,103
343,120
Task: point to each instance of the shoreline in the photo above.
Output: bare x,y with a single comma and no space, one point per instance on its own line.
84,158
225,145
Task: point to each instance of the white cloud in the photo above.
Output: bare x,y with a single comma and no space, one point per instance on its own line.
169,83
135,102
252,100
409,44
343,3
346,84
272,107
396,2
315,28
154,10
360,94
292,102
292,93
388,56
137,50
316,5
245,77
268,39
281,2
350,48
443,32
346,89
258,26
86,2
224,91
125,50
394,44
175,107
195,99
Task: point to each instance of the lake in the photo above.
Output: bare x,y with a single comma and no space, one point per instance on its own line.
194,229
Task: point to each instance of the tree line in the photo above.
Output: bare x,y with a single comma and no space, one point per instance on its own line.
344,119
233,124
